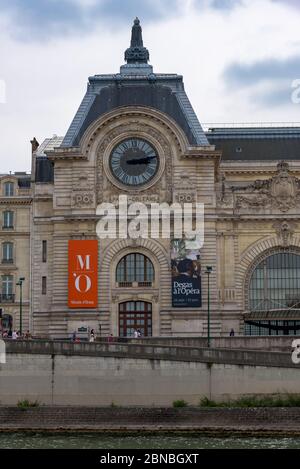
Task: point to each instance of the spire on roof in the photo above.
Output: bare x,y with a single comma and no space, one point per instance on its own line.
137,53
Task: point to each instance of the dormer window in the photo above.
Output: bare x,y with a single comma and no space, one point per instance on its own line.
9,189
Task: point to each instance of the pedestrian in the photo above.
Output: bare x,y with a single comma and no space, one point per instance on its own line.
139,333
14,335
232,333
135,334
74,336
92,336
111,338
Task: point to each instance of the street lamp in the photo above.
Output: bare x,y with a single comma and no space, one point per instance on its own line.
208,272
19,284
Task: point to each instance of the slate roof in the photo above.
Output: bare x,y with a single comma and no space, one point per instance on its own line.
136,85
44,172
256,143
162,92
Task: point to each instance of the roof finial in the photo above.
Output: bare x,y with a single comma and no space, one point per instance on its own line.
137,53
136,35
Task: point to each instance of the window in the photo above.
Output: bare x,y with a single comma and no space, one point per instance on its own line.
7,253
8,219
44,285
8,189
7,288
135,315
44,251
275,283
135,268
274,292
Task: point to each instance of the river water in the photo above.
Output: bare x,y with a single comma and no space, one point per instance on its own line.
99,441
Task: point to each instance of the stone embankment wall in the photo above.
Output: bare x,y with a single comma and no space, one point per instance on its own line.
59,373
214,421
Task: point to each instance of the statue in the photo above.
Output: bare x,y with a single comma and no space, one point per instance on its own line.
137,53
136,35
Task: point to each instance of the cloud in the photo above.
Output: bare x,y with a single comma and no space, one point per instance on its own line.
238,74
269,82
292,3
46,19
225,4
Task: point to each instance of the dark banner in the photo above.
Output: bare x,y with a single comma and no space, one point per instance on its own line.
186,274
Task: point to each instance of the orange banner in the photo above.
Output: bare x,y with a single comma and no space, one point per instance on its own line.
83,274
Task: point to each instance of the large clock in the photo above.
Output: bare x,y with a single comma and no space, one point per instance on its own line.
134,162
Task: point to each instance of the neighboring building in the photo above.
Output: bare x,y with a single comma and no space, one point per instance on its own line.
136,133
15,207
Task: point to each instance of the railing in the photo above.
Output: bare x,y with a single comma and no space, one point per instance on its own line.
7,298
134,284
125,284
7,261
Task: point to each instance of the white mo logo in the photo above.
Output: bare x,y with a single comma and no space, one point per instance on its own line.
2,351
83,282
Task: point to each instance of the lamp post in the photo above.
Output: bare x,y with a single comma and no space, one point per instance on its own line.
19,284
208,272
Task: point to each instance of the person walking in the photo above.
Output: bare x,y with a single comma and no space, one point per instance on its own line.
92,336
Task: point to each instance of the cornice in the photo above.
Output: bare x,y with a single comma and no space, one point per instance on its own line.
16,200
203,152
65,154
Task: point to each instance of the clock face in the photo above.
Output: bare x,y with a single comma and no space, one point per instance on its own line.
134,162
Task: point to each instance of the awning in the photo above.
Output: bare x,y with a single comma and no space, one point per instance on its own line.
274,315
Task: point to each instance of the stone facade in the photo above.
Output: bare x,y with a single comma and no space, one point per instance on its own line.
247,179
15,263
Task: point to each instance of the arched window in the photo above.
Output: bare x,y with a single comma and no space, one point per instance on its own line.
274,296
135,268
7,252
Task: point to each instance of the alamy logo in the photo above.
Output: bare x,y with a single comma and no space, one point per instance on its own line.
2,352
153,220
296,352
2,92
296,93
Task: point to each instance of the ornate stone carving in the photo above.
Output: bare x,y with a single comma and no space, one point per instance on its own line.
155,298
185,196
83,199
114,298
285,231
281,192
224,196
82,183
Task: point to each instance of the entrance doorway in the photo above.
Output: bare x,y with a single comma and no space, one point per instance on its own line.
135,315
7,322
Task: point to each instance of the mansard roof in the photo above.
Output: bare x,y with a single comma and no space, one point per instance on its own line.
136,85
256,143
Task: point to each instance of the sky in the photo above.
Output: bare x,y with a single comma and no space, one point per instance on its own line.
240,60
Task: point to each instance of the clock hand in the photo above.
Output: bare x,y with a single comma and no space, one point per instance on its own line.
141,160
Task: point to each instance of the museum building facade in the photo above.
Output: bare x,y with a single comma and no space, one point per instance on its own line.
136,134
